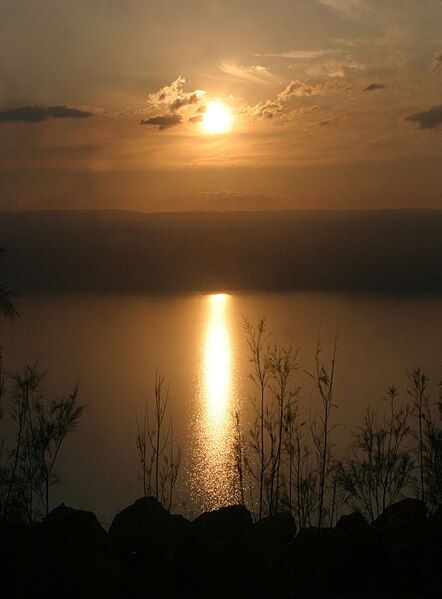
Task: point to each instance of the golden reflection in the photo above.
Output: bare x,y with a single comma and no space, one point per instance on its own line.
213,482
217,361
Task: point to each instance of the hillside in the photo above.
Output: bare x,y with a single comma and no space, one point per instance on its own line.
123,251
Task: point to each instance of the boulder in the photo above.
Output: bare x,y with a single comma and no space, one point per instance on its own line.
272,537
17,563
145,536
146,527
436,522
353,524
215,558
406,516
278,529
403,537
329,563
74,557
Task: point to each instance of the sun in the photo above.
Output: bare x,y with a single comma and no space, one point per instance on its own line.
217,118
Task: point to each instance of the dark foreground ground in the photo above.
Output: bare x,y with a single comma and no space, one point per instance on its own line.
149,552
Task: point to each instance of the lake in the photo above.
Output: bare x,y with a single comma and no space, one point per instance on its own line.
113,344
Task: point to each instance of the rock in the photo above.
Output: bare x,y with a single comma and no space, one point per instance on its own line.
146,527
74,556
272,537
436,521
403,533
145,536
327,563
436,553
216,558
353,524
279,529
408,515
230,520
16,560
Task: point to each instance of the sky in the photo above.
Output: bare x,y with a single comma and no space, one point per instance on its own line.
335,104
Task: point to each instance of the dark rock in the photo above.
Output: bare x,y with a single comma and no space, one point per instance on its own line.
145,536
279,529
408,515
215,558
74,557
327,563
16,560
436,521
231,520
353,524
272,537
436,548
403,532
146,527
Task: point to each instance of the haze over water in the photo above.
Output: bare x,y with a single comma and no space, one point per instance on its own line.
112,345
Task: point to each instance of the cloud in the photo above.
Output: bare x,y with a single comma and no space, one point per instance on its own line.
437,61
164,121
296,88
196,119
296,54
373,86
427,119
299,113
168,101
37,114
255,73
185,101
269,108
173,96
340,67
282,104
353,9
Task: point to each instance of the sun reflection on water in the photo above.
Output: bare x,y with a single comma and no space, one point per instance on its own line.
217,361
213,478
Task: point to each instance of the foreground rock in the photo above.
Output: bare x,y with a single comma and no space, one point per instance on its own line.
409,557
74,557
145,537
354,525
16,560
215,559
152,553
273,537
333,563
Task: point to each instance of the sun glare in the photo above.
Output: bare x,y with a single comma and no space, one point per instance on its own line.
217,118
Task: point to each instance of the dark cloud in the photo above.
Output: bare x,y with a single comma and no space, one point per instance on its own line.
196,119
373,86
37,114
164,121
437,61
184,101
427,119
173,96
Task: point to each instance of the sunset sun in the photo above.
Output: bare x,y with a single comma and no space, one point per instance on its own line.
217,118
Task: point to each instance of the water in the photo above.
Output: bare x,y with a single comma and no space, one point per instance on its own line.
113,344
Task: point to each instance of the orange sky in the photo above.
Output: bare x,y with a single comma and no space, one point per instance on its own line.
336,104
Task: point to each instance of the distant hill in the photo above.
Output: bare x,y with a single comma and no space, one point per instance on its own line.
123,251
